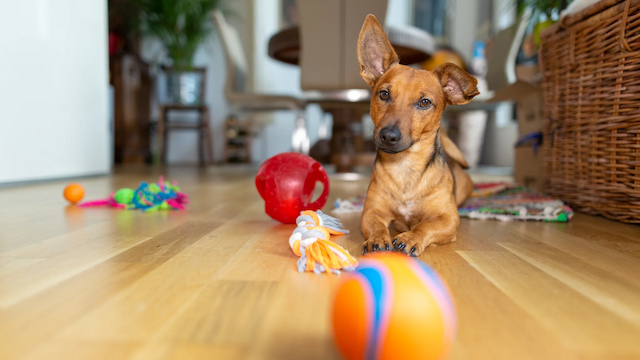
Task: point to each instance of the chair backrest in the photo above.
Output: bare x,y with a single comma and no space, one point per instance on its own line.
234,54
329,32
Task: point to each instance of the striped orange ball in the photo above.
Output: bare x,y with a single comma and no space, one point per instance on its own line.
394,307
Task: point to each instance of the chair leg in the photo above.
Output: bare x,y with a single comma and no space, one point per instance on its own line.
201,129
207,137
161,133
300,138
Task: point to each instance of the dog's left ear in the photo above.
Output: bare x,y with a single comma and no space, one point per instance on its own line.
458,86
375,53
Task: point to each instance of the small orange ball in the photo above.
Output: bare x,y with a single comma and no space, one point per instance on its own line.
73,193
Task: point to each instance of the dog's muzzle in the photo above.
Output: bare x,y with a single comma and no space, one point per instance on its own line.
389,139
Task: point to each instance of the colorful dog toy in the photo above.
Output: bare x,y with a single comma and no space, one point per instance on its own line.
311,242
147,197
286,183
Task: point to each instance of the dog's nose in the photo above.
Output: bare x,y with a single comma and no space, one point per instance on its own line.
390,135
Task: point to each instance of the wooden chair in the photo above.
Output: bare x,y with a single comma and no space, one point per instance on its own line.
202,125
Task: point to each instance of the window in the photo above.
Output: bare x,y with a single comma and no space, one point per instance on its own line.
430,15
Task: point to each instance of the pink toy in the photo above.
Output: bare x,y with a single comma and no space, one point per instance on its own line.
286,182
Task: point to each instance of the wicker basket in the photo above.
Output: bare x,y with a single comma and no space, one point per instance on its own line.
591,68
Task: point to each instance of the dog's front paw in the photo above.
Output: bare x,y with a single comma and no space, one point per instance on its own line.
377,243
410,243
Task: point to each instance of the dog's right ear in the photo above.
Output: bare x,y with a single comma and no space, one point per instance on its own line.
458,86
375,53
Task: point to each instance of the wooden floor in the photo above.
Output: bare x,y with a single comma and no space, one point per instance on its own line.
219,281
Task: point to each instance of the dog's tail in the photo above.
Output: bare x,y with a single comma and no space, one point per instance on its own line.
463,185
452,151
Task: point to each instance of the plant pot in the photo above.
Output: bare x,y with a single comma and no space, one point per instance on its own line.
185,87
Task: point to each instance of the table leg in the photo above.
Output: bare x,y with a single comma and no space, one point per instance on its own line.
347,140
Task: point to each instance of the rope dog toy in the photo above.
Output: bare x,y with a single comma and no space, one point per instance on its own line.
311,242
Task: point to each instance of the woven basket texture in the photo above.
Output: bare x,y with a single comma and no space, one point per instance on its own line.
591,84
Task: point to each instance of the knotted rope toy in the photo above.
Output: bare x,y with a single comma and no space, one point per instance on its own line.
311,242
147,197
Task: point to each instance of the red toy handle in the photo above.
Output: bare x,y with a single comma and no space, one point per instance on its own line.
260,180
319,175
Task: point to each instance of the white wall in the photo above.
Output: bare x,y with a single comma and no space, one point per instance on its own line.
53,89
399,12
465,25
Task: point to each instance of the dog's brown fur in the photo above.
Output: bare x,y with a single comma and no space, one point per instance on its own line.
414,186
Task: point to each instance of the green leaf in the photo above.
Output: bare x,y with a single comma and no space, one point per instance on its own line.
180,25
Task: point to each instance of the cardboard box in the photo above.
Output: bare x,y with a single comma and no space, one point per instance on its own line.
530,112
527,94
528,73
527,169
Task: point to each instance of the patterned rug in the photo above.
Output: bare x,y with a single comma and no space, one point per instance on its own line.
498,201
506,202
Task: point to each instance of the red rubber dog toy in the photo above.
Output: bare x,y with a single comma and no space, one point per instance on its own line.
286,182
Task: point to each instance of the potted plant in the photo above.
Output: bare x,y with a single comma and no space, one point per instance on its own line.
181,26
544,13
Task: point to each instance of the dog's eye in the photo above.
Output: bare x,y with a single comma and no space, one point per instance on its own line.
424,103
384,95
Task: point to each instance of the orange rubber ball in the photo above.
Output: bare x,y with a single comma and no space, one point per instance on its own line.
73,193
394,307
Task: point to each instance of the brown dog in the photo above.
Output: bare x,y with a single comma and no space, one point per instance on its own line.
413,185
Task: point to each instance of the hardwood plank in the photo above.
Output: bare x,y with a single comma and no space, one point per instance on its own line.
605,233
607,226
219,280
613,293
606,258
30,280
166,245
224,313
9,265
297,325
576,322
65,350
475,235
206,352
479,301
141,312
270,257
38,319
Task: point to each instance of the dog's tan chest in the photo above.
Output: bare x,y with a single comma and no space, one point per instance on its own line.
407,210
